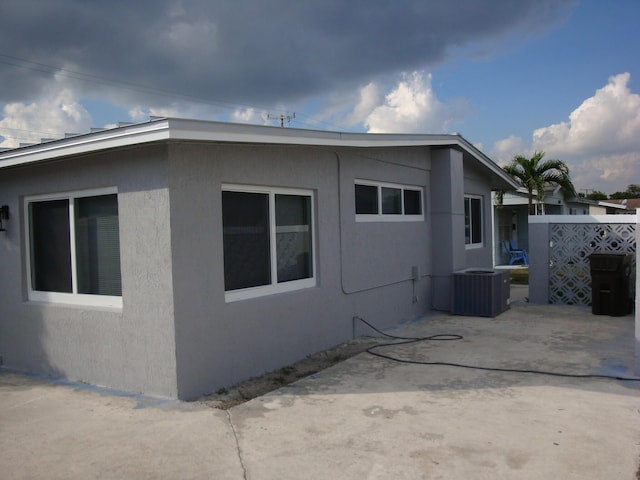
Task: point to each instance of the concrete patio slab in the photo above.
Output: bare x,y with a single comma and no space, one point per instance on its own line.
373,418
367,417
52,430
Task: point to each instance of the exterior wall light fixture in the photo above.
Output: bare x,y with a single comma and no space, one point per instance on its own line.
4,215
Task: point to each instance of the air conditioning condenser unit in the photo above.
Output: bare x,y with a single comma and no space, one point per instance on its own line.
481,293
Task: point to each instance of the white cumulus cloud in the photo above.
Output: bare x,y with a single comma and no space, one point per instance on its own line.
49,117
600,141
250,115
139,113
504,150
412,107
607,123
370,97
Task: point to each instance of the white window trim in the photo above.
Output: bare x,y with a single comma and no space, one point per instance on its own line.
386,217
74,298
274,287
472,246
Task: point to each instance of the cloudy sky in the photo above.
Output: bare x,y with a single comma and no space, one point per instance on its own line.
512,77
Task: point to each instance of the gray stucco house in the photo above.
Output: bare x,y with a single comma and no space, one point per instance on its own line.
174,257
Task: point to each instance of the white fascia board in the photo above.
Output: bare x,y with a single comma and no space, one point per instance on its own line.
199,130
523,191
202,130
91,142
487,162
612,205
239,133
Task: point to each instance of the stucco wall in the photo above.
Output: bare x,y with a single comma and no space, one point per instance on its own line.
362,269
175,334
130,349
376,254
476,183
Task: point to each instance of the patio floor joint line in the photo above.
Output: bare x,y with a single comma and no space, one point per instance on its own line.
238,449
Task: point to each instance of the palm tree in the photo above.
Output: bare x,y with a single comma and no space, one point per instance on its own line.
535,173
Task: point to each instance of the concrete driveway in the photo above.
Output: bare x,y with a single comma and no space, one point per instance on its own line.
367,417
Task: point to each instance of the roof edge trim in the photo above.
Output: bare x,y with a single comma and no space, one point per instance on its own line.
203,130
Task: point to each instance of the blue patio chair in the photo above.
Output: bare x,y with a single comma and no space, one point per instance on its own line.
514,246
515,254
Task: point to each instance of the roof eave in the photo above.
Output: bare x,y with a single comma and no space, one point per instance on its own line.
87,143
201,130
501,180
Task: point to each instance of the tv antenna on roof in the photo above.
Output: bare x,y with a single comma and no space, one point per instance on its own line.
282,117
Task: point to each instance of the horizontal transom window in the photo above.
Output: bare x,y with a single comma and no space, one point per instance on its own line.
267,240
376,201
74,248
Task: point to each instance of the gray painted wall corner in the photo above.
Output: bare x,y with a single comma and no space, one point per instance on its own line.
447,217
127,349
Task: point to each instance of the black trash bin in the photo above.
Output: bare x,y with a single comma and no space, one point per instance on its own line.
610,274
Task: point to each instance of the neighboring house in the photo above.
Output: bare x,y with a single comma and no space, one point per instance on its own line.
627,206
175,257
511,216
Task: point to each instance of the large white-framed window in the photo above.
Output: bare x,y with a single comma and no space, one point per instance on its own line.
388,202
473,222
268,240
73,245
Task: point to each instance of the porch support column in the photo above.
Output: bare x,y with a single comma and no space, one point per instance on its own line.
447,229
539,231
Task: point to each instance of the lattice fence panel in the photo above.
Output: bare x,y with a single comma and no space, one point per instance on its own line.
571,245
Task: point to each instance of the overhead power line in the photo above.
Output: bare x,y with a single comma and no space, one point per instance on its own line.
53,69
19,62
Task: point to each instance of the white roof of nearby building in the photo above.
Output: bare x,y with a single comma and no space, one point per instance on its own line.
606,204
176,129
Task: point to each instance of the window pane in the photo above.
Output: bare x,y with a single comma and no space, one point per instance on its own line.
412,202
245,222
467,221
293,237
476,220
50,246
472,220
98,245
366,199
391,201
